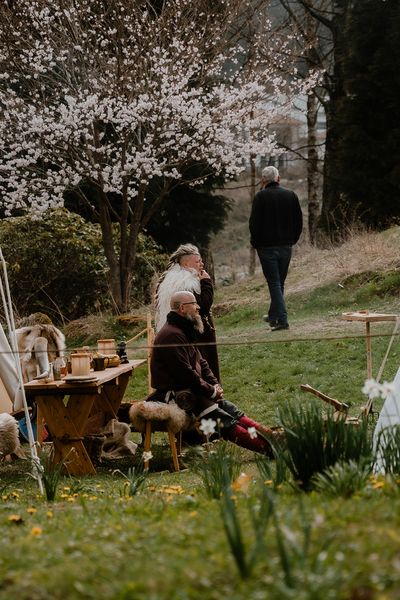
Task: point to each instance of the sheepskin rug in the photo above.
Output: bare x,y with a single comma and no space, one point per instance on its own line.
9,438
117,443
168,416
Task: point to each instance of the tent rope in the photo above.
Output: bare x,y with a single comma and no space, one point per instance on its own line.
9,315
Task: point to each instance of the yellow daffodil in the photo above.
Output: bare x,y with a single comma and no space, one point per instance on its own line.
378,485
15,519
242,483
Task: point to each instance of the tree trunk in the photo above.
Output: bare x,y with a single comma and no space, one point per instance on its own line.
109,250
333,219
312,167
121,266
252,256
208,260
312,118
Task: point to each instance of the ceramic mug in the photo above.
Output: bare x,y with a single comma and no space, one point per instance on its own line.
106,347
100,363
80,364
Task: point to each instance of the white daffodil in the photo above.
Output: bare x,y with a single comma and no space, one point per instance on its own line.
147,456
207,426
371,388
252,431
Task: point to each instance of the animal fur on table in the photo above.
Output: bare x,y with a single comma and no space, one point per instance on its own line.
39,345
173,417
9,438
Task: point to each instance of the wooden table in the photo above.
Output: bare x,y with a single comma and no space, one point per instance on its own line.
72,410
368,317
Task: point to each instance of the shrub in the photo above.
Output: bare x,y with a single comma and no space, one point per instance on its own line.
316,442
388,450
342,479
55,265
149,262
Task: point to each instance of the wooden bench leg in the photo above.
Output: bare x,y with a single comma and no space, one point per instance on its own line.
147,443
172,443
40,429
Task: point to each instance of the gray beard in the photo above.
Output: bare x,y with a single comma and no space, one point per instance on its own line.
197,323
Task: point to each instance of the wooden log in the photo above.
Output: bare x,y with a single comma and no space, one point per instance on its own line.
340,406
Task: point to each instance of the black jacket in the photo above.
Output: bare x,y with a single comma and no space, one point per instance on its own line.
276,218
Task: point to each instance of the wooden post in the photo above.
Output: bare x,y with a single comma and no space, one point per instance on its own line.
172,443
369,349
147,444
150,342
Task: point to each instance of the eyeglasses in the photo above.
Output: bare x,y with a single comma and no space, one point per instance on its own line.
183,303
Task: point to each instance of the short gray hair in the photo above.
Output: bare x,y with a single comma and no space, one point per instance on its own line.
270,173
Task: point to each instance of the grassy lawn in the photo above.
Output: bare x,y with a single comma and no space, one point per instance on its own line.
168,542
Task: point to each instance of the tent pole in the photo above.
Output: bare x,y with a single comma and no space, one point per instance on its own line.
7,304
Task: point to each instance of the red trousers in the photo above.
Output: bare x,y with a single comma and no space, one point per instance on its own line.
240,436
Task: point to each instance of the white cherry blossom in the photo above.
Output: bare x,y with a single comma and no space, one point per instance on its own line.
116,95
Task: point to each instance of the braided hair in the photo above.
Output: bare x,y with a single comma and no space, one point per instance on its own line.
175,258
180,252
172,268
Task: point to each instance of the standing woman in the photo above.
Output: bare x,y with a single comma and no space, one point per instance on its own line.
185,272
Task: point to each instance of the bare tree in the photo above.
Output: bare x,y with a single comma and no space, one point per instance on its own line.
314,47
327,20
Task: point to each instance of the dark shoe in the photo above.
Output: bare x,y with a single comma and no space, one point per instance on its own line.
279,326
272,322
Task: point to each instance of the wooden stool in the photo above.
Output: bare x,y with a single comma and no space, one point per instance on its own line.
149,416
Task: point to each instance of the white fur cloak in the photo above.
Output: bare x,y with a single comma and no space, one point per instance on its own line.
176,279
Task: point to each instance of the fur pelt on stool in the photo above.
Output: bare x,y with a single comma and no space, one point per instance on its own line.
9,439
170,415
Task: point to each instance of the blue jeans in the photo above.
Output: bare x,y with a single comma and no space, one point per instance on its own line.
275,262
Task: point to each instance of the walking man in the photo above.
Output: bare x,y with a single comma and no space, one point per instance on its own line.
276,222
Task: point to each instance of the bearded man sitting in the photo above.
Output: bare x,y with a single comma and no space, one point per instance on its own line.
178,371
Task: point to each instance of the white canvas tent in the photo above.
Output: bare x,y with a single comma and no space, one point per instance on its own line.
10,388
388,417
12,391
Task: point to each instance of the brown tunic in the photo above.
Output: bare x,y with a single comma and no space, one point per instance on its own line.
180,365
209,350
176,364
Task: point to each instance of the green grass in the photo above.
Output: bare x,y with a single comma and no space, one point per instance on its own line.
170,544
167,542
